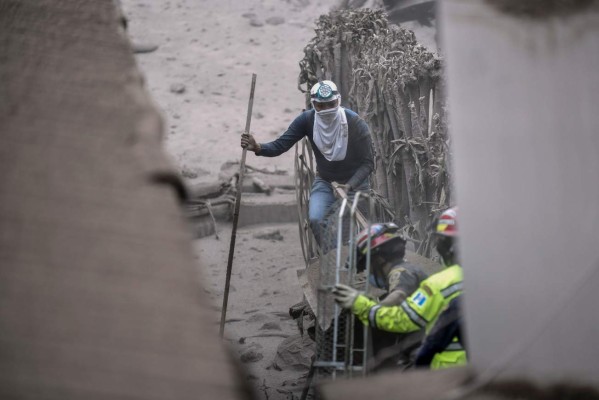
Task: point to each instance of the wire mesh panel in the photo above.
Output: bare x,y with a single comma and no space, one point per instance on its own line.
304,177
341,340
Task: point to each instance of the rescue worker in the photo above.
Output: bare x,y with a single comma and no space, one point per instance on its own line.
423,307
391,272
447,327
388,268
342,148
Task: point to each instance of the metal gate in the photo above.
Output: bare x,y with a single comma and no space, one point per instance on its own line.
342,342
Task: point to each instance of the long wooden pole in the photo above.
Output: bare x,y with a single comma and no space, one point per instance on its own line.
248,120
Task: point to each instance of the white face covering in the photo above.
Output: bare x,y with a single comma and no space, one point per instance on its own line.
328,116
330,133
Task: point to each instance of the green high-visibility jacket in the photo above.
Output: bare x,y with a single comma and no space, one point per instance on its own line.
419,311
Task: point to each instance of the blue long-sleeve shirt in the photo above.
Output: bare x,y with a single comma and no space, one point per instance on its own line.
352,170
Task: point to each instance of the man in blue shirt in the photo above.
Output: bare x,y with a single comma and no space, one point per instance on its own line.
341,143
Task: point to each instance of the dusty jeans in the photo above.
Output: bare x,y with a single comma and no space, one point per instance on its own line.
322,197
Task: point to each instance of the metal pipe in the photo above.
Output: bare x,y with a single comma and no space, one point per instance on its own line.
337,268
248,120
367,286
349,338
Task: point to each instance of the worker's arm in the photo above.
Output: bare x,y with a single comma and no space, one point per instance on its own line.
395,298
412,315
400,319
296,131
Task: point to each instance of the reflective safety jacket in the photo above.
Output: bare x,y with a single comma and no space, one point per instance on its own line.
419,311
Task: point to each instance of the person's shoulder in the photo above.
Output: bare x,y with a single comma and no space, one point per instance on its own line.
446,276
303,119
354,119
409,270
305,115
351,114
413,268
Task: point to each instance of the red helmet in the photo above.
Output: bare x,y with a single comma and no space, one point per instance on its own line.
379,234
447,223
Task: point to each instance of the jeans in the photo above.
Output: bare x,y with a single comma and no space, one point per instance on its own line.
322,197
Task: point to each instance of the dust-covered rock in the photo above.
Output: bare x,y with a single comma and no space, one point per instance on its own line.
257,318
177,88
189,174
294,353
270,326
275,20
251,355
140,48
270,235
